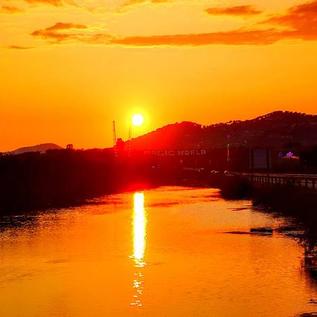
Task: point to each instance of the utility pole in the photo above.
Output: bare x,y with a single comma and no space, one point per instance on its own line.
228,153
114,133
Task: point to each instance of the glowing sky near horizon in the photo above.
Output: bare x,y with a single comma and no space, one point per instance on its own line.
70,67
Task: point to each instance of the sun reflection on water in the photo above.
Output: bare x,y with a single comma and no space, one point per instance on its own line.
139,245
139,229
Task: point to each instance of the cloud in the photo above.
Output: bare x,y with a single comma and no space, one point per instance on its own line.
9,9
134,2
4,8
236,37
18,47
130,4
51,2
244,10
61,32
299,22
57,32
56,3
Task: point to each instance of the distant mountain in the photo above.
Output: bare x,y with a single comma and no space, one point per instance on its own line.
276,129
42,148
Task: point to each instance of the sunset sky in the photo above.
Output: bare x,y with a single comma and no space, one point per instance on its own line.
70,67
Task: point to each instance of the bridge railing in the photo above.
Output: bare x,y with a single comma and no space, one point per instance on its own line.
308,181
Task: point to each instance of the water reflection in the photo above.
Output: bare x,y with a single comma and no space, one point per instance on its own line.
139,245
193,267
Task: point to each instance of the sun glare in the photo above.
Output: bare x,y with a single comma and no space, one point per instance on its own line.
137,119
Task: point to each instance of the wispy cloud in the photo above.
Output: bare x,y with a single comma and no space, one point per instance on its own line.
61,32
55,3
299,22
244,10
57,32
9,9
51,2
236,37
135,2
19,47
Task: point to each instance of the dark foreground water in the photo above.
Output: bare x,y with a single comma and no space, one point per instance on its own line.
162,252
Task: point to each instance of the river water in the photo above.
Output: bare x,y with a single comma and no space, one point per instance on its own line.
162,252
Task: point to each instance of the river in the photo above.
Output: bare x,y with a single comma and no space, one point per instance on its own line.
169,251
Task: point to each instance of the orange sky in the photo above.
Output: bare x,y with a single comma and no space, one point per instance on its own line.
69,67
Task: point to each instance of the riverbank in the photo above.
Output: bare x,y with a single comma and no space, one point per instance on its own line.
296,203
286,198
64,178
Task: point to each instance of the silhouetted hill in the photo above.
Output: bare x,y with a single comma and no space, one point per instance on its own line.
42,148
276,129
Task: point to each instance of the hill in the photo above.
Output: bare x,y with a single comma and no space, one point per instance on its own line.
276,129
42,148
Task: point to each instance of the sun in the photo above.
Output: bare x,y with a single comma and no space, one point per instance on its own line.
137,119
